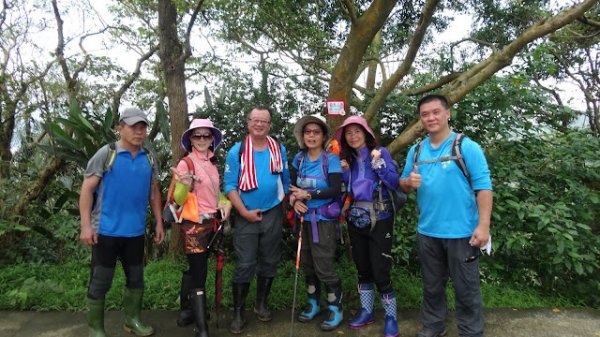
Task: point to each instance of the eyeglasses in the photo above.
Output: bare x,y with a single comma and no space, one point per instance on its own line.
315,132
259,121
203,136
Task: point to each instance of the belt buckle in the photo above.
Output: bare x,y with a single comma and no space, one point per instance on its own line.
379,206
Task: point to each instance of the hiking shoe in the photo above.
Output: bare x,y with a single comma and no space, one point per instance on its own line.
310,311
334,319
430,333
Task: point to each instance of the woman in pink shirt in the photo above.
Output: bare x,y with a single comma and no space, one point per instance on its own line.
200,218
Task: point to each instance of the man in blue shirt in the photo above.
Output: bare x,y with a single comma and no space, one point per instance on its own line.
256,180
454,220
113,203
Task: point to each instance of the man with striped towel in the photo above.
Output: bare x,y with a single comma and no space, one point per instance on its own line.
256,181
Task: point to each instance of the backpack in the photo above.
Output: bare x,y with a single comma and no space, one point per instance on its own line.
397,195
455,155
172,211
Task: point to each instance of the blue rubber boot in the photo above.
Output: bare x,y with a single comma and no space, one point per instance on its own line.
312,308
367,300
390,327
336,314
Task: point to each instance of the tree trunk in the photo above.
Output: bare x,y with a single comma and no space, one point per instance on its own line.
361,34
172,58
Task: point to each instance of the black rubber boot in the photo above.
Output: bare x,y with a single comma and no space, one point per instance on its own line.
240,292
263,287
198,304
185,317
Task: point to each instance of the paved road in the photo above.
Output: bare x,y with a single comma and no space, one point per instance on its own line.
498,323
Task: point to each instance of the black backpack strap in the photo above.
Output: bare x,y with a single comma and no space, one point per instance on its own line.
459,159
417,152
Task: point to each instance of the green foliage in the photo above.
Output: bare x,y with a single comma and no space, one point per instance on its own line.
77,137
545,220
35,286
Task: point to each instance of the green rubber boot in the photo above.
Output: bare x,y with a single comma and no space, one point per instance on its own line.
132,304
95,317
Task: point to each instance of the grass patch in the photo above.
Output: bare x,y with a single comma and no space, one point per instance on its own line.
42,287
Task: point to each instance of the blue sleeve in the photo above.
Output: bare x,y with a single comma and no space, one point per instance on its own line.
334,164
389,172
476,165
232,169
285,175
409,164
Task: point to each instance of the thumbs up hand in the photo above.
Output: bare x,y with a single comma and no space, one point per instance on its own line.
414,179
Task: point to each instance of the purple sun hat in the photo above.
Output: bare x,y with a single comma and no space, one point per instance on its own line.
339,133
201,123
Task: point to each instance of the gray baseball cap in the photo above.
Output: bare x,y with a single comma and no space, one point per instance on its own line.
132,116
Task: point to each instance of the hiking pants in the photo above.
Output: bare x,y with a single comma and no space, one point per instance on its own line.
130,251
318,258
198,269
443,258
372,253
257,245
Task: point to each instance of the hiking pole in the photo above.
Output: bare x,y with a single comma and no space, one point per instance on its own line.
296,276
217,232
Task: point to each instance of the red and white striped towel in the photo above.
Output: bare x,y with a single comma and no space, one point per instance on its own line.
248,179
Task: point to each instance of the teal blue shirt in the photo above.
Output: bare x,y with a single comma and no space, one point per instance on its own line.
447,203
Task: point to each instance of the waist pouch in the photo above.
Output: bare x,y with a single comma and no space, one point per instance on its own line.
359,217
331,210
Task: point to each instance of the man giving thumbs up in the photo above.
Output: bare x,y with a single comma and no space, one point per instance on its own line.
454,220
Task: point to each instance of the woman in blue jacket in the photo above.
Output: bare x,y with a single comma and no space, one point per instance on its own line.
316,176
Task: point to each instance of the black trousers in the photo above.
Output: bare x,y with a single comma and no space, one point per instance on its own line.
105,253
372,253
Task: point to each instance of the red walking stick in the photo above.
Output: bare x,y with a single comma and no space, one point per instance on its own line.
296,277
219,282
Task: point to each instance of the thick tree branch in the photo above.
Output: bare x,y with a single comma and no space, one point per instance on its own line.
431,86
469,80
405,66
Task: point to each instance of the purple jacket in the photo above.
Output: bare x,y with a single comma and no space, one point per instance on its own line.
365,180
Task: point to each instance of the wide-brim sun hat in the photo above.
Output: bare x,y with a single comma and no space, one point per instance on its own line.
301,123
339,133
201,123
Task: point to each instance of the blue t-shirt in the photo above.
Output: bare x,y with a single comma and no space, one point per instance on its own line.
271,187
447,203
311,177
121,198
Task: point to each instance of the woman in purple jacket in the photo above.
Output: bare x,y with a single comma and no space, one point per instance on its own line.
369,172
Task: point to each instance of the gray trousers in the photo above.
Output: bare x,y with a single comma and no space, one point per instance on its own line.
441,259
318,258
257,245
